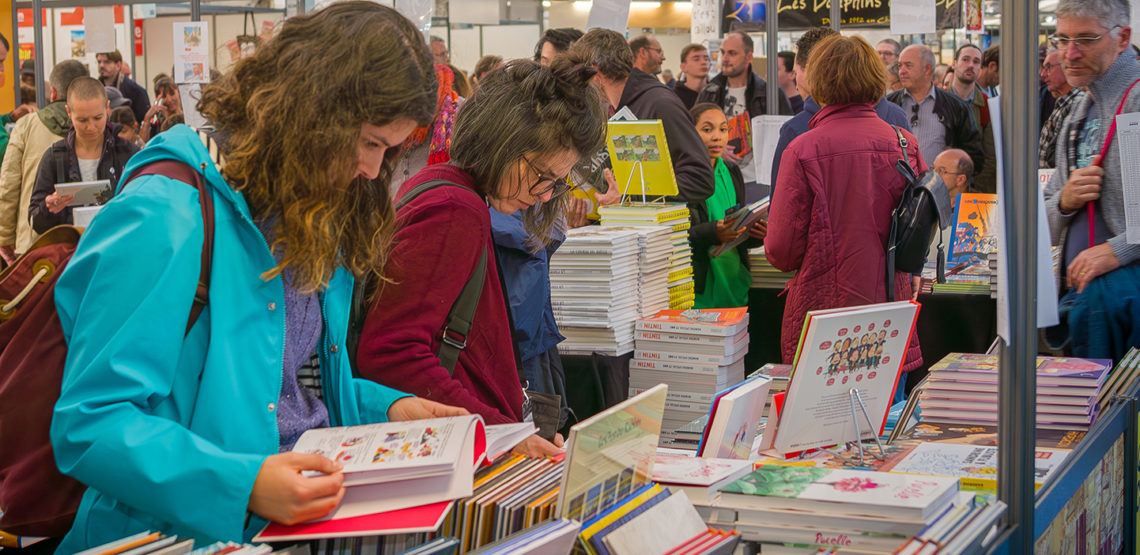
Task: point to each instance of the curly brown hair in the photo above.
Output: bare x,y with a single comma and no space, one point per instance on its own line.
523,108
291,116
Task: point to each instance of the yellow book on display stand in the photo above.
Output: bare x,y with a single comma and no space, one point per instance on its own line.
640,157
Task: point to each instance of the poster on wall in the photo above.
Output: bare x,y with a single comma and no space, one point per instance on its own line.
99,28
913,17
609,14
973,16
78,43
191,54
705,21
749,15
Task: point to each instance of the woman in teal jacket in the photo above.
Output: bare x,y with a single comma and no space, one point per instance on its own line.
188,433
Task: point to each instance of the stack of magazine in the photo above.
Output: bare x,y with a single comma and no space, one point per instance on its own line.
764,274
654,251
675,216
961,384
594,290
697,353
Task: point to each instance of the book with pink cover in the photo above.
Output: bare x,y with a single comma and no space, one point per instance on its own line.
1051,371
425,518
734,419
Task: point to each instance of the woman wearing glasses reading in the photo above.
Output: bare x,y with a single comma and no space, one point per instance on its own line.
515,140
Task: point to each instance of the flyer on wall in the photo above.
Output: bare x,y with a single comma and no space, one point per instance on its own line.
191,52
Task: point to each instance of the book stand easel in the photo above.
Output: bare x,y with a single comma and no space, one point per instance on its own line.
857,399
638,170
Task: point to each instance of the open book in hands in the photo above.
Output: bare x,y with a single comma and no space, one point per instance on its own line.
741,218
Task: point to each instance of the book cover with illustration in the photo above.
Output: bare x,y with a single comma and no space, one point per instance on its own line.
861,347
1058,371
709,321
640,157
975,234
975,465
841,491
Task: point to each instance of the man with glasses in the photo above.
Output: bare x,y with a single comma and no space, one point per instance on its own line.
1085,197
1066,96
956,169
938,119
647,54
742,95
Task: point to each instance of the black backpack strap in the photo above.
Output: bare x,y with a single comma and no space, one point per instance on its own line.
183,172
904,168
59,158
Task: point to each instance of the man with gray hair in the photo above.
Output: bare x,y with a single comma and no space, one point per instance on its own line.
939,119
30,139
1085,197
1065,98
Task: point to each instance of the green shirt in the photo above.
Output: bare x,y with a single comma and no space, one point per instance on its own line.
728,280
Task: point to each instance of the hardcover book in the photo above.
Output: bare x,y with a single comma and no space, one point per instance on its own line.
837,491
976,465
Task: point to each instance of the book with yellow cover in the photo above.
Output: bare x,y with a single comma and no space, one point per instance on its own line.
640,157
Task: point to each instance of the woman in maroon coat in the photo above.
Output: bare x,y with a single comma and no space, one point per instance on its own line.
514,142
832,203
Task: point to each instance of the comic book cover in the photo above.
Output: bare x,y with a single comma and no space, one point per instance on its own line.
975,234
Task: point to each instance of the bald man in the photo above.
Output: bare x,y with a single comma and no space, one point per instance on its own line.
956,169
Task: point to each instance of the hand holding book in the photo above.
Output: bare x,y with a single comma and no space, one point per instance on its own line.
282,493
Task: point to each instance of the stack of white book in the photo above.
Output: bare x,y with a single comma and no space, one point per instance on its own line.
697,353
593,290
655,249
675,216
764,274
817,508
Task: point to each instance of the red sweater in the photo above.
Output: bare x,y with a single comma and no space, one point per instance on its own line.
831,213
441,235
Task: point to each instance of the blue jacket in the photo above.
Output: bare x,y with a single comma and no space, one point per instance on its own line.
798,125
526,278
169,433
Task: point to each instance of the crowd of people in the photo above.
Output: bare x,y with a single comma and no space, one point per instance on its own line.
382,230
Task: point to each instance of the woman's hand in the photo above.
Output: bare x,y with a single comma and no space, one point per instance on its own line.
613,194
415,408
758,229
56,202
282,494
725,233
535,447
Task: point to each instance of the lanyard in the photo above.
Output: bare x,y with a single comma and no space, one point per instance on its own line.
1103,152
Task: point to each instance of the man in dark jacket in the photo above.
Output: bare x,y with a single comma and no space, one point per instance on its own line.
624,86
939,119
92,151
111,74
743,95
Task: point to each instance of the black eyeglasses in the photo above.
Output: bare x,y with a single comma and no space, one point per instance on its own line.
914,116
546,184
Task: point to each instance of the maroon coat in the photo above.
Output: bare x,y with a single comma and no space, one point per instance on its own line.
830,216
441,236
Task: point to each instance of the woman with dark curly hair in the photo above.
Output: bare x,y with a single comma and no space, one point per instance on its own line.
188,431
515,141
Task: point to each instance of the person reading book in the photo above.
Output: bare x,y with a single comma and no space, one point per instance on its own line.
832,204
91,151
187,431
723,281
514,142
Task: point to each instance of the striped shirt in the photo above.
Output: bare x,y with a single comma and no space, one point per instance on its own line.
925,124
1047,146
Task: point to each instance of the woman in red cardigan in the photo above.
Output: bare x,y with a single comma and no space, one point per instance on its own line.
831,209
514,142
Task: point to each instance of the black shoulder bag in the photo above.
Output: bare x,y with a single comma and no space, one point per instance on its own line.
923,210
